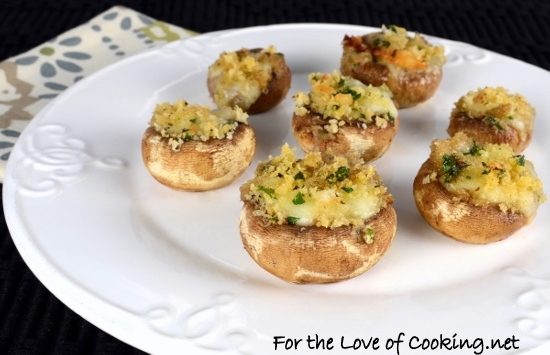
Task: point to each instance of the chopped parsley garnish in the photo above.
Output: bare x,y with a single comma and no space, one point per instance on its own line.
452,166
510,117
299,176
501,173
347,189
391,119
292,220
299,199
188,137
274,219
194,120
341,82
393,28
267,190
354,94
521,159
369,236
494,122
340,175
474,150
381,43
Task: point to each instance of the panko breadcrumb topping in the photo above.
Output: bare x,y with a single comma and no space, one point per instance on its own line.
183,122
341,100
243,76
393,46
318,190
486,174
496,107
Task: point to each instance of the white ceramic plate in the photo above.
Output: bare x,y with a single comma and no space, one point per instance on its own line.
166,272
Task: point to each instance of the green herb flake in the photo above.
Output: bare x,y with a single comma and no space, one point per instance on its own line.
269,191
501,173
342,173
494,122
299,199
194,120
341,82
393,28
347,189
299,176
292,220
521,159
274,219
369,236
452,166
354,94
474,150
391,119
381,43
188,137
510,117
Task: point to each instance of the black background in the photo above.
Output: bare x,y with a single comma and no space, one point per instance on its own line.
32,320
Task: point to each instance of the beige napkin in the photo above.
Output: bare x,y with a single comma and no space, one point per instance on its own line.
29,81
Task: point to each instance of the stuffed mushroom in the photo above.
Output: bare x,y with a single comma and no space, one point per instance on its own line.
256,80
343,115
409,66
319,219
190,147
476,193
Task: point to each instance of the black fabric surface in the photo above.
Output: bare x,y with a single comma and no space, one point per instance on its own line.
32,320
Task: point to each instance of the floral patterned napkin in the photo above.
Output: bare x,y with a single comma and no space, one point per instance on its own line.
29,81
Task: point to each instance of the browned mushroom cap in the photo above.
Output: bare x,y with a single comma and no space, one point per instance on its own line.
367,141
198,165
461,220
481,132
277,88
315,254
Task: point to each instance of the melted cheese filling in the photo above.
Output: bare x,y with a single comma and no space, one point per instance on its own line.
487,174
340,98
315,191
182,122
241,77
